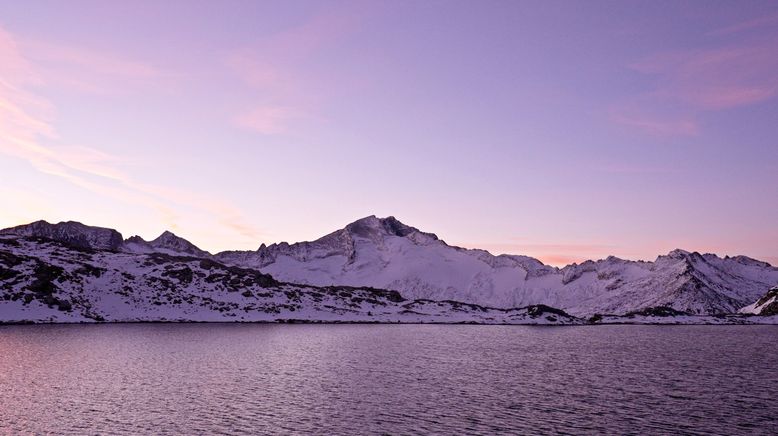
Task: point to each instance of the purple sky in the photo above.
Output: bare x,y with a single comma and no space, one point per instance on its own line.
562,130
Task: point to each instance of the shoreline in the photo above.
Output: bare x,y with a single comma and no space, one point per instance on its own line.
746,320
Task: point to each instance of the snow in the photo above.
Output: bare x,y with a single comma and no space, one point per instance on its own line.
763,303
142,280
120,287
419,265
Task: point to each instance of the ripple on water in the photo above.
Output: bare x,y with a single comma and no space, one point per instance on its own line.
400,379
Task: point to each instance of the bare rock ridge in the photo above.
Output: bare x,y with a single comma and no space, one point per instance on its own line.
384,253
72,233
99,238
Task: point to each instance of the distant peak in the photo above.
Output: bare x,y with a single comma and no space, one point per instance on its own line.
167,234
678,254
169,240
372,225
72,233
135,239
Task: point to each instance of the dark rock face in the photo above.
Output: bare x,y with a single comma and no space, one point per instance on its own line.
772,307
661,311
71,233
541,309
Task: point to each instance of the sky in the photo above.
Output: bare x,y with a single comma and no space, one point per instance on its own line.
564,130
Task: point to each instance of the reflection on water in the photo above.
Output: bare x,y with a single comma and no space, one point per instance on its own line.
339,379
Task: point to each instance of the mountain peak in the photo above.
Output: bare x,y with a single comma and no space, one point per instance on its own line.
72,233
678,254
167,235
390,226
169,241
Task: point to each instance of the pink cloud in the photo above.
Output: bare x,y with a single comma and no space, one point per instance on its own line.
622,168
277,70
83,70
657,126
716,78
267,120
686,83
756,23
91,60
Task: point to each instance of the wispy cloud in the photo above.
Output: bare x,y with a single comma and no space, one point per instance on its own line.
623,168
735,68
276,69
27,133
87,70
716,78
656,126
91,60
267,120
756,23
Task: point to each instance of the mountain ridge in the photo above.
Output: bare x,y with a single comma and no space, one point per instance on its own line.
388,254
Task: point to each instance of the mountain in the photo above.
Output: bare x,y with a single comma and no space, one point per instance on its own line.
98,238
71,233
167,243
385,253
45,280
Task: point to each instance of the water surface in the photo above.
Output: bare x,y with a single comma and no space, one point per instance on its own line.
399,379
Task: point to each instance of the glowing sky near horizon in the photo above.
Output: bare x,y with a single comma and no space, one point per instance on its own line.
558,129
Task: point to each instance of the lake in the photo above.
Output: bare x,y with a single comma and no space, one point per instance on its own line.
398,379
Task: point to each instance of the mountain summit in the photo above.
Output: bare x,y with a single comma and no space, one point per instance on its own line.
170,242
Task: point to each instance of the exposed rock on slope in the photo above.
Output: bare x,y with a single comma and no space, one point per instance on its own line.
767,305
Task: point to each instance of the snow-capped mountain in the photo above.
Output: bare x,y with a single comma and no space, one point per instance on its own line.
385,253
43,280
167,243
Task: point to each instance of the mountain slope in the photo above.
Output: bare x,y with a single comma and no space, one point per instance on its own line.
388,254
767,305
43,280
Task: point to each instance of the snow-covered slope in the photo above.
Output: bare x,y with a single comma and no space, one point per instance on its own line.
385,253
767,305
43,280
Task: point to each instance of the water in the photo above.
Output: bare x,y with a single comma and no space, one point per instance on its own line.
398,379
